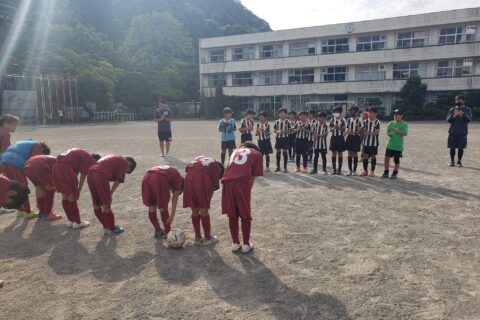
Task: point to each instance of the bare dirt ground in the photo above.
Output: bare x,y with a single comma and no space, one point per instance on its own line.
326,247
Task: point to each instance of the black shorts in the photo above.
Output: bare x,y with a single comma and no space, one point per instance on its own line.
246,137
370,151
301,146
165,136
291,140
389,153
353,143
457,141
337,143
282,143
265,146
230,145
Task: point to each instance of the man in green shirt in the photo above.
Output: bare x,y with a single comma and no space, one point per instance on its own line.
396,131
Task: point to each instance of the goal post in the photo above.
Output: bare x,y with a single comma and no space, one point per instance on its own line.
328,106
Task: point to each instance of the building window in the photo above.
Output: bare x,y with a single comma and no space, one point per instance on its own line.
334,74
454,68
371,43
242,79
302,48
246,103
335,45
452,35
370,72
269,78
216,81
297,76
217,55
412,39
242,53
270,104
271,51
407,69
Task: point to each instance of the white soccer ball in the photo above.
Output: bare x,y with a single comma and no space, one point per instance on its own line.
175,239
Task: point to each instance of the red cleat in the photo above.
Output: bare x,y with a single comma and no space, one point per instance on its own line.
297,169
364,174
372,174
305,170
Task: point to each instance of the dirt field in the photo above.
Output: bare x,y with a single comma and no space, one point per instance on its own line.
326,247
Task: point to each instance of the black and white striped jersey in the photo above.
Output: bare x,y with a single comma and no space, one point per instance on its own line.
353,125
292,126
284,126
263,135
371,126
320,143
245,124
342,123
312,124
301,134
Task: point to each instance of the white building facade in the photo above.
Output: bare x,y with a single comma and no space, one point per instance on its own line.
349,61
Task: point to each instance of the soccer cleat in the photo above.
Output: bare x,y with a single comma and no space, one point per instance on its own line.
313,171
21,214
246,248
459,164
1,283
163,156
364,174
69,224
297,169
285,170
160,234
325,172
452,164
354,173
385,176
209,241
52,216
42,216
350,173
334,171
168,155
198,241
80,225
113,231
30,215
278,170
372,174
118,230
235,247
394,176
304,170
339,173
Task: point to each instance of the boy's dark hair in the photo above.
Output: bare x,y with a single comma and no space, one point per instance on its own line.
460,96
321,114
373,109
354,109
338,109
96,156
263,113
293,112
8,119
284,110
133,164
20,198
250,112
367,103
311,111
45,149
303,113
250,145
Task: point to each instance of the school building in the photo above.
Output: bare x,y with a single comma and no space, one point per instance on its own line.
344,62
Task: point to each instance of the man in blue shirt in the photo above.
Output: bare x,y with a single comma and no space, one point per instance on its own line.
227,128
163,117
458,117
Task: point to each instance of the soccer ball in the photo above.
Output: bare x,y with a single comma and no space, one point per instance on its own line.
175,239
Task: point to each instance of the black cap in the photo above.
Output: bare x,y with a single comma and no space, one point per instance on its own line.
398,111
227,110
373,109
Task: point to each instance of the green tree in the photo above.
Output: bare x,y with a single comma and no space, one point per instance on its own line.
413,95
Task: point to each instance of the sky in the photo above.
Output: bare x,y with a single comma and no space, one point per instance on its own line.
287,14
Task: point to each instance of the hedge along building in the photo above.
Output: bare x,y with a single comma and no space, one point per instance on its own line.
348,61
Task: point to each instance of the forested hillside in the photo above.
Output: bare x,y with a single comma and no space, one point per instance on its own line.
119,50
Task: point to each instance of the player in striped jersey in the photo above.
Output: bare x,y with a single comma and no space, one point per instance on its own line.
337,141
246,126
302,128
354,140
282,128
263,133
370,142
292,117
311,120
320,133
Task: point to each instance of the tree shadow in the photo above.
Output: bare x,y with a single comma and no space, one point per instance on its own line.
252,288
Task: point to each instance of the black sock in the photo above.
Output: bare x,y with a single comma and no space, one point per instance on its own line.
452,154
355,163
350,163
394,173
324,161
223,158
297,160
315,160
279,154
267,160
460,154
334,163
374,164
285,159
387,171
340,163
365,164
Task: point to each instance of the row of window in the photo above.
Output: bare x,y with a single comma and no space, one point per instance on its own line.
411,39
369,72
